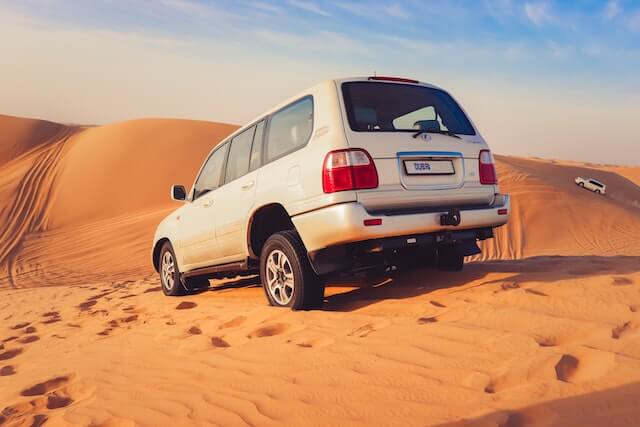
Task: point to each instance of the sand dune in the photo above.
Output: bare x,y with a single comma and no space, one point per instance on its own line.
545,333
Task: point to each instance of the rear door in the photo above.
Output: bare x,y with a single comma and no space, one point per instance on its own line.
435,168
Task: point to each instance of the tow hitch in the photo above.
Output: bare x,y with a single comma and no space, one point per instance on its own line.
451,218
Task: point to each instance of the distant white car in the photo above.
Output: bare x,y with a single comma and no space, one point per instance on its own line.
591,184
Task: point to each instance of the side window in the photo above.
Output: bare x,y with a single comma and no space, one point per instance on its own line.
211,174
238,163
290,128
256,149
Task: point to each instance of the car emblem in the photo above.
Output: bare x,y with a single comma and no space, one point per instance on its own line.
425,136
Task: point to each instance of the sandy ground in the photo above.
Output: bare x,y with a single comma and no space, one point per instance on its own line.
542,330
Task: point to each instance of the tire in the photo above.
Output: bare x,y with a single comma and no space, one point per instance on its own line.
598,192
450,259
169,272
581,184
286,274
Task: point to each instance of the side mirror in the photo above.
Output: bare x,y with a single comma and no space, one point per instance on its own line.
178,193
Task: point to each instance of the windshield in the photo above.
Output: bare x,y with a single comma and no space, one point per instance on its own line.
393,107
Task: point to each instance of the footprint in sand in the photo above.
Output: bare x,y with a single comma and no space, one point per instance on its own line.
194,330
5,371
425,320
437,304
312,342
543,341
52,317
84,306
186,305
618,331
50,394
507,286
30,330
566,367
46,386
622,281
269,330
116,323
55,401
10,354
219,342
236,321
21,325
28,339
366,329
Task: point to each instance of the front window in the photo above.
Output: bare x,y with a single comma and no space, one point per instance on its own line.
211,174
393,107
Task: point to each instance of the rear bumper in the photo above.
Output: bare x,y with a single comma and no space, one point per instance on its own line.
344,223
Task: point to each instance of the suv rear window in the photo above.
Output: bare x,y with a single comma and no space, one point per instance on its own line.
394,107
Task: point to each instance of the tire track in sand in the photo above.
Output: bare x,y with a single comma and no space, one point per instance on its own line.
28,210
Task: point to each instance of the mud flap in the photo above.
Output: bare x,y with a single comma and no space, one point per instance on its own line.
468,247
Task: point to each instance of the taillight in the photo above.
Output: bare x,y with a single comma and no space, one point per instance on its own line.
351,169
487,168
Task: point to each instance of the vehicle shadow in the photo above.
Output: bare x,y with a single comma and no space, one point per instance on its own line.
613,407
420,281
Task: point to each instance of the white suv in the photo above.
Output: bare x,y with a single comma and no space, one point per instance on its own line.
591,184
349,174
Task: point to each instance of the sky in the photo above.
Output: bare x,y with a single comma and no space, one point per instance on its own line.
554,79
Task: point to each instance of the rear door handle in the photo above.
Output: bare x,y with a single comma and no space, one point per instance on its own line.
247,185
207,203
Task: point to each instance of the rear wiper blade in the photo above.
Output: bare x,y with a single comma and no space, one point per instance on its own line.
441,132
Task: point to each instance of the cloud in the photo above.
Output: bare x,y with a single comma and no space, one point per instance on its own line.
556,50
611,10
323,41
396,11
187,7
309,7
634,21
266,7
537,12
356,9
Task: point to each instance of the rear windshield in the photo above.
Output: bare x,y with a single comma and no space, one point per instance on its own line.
393,107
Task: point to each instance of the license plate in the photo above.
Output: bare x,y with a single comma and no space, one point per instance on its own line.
429,167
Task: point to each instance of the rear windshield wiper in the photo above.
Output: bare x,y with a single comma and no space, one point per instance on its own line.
441,132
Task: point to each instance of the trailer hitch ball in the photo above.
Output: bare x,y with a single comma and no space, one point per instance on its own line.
451,218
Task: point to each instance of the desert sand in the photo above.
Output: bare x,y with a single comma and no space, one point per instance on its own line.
542,329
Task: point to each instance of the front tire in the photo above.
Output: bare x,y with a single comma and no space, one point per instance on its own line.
286,274
169,272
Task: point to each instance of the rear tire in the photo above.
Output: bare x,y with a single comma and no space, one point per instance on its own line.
286,274
169,272
598,192
581,184
450,258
